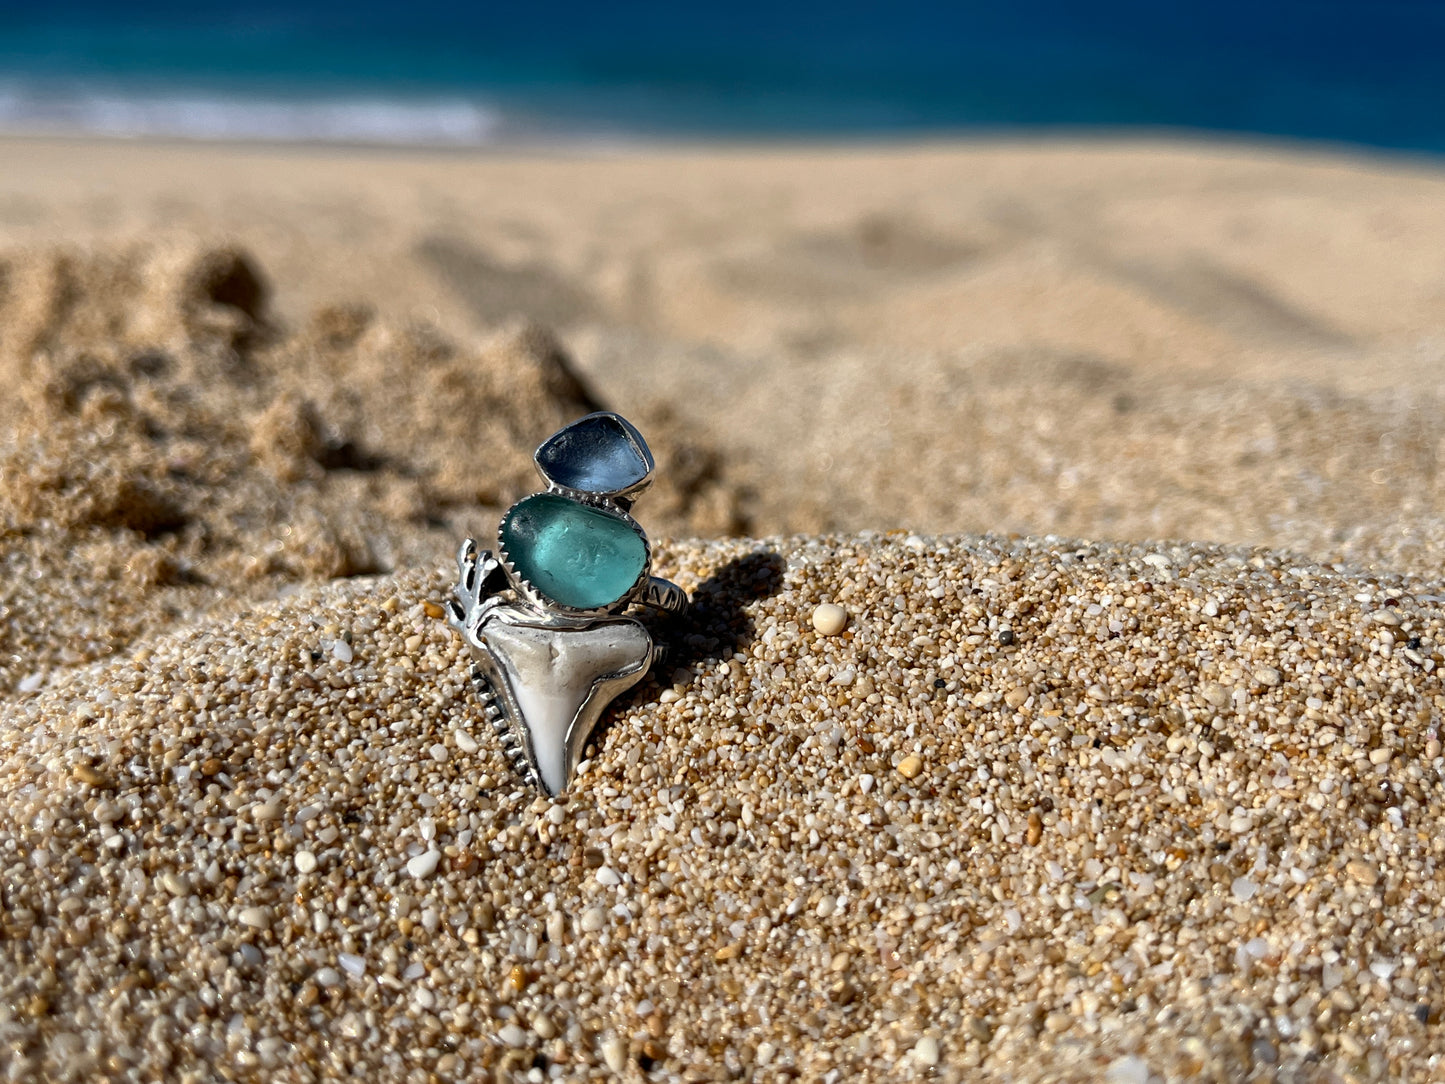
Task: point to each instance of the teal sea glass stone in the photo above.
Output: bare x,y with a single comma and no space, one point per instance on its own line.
576,555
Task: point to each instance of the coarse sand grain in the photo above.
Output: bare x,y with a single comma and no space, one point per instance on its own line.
1182,820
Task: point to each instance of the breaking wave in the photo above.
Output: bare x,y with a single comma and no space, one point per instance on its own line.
439,121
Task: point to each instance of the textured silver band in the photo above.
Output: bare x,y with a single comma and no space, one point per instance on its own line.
663,595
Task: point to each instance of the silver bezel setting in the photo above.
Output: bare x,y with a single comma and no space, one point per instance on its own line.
639,445
539,600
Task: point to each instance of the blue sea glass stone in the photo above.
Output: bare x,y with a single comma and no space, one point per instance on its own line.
600,453
576,555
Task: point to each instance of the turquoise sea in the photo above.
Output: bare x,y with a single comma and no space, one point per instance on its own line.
379,71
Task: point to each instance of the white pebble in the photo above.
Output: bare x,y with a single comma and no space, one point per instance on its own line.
1244,888
925,1051
465,742
512,1035
614,1053
353,965
342,651
305,861
829,618
556,815
1268,675
256,917
608,876
424,865
328,976
593,919
424,998
175,884
1215,693
1128,1070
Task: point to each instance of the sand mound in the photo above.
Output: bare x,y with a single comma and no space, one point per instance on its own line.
1030,441
1040,812
1045,810
1103,339
166,444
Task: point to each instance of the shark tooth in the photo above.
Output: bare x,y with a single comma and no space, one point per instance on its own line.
545,682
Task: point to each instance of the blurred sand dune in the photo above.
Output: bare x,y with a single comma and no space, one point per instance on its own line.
910,336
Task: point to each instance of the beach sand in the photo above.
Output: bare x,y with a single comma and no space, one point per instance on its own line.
1124,458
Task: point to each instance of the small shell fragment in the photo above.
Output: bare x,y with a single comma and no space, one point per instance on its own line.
829,618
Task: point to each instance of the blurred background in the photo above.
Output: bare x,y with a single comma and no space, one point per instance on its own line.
386,71
1113,270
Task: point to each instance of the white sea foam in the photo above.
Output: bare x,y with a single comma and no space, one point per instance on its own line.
440,121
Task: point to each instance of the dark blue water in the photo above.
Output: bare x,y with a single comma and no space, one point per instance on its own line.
426,72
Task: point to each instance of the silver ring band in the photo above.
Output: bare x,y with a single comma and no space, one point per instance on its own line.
663,595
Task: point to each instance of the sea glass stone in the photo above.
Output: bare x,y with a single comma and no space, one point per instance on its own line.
576,555
600,453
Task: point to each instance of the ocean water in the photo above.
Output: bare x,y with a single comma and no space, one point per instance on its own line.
387,72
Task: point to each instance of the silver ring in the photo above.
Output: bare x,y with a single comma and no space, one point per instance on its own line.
664,595
545,616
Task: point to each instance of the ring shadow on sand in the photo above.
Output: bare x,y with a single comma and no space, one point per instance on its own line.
715,626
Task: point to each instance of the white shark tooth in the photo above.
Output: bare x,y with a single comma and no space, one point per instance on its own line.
545,683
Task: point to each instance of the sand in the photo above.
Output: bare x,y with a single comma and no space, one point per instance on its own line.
1109,339
1046,809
